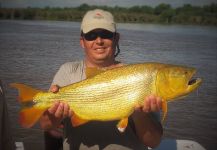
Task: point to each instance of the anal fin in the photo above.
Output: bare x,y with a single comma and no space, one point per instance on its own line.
122,124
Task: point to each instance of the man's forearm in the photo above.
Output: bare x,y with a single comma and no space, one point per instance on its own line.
46,122
148,129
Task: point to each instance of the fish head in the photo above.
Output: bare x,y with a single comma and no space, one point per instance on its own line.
176,81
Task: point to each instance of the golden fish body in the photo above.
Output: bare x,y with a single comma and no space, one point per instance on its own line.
113,94
110,95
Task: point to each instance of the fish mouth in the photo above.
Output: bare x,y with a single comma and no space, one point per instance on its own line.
194,82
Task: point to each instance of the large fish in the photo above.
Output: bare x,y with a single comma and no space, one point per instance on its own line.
111,95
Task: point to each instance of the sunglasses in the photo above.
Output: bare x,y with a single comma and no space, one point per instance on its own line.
92,35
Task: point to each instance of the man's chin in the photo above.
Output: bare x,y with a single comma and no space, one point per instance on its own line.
102,61
101,58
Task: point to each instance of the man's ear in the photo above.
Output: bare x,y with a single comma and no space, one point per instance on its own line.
82,42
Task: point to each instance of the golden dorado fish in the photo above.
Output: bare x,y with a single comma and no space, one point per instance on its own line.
111,95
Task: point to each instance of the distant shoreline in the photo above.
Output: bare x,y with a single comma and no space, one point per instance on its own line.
161,14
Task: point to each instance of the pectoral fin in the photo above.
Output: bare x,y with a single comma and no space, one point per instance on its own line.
77,121
122,124
164,110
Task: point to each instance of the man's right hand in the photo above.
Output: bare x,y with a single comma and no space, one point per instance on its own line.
53,117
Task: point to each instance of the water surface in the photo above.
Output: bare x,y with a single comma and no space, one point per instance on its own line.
32,51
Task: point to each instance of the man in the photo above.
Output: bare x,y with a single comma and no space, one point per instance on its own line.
99,40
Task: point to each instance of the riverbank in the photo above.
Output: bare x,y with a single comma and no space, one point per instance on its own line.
163,14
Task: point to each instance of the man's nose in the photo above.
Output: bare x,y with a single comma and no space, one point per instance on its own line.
99,40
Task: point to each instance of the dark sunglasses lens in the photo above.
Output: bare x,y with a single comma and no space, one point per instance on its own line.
90,36
106,35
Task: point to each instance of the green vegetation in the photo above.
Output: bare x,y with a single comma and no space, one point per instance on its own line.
163,13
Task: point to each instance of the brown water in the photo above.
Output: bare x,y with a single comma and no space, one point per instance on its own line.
32,51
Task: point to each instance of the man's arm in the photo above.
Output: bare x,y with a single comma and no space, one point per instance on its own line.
148,129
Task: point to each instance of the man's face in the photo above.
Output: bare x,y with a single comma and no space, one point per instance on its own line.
99,46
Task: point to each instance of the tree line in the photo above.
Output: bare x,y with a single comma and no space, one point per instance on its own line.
162,13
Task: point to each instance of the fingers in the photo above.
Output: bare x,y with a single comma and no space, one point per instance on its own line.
60,110
54,88
146,108
57,112
152,104
66,110
54,108
63,111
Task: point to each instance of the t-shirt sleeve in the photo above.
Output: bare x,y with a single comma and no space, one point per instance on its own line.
62,77
69,73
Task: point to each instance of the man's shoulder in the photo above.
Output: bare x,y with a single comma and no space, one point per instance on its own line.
68,73
72,66
72,63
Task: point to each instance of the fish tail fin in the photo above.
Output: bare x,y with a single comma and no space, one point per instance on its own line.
164,110
29,116
26,93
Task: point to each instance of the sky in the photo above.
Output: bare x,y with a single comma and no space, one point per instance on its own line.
123,3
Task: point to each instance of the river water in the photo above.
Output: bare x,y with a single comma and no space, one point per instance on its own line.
32,51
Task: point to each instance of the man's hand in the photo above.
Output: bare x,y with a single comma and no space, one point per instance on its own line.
53,117
151,104
57,112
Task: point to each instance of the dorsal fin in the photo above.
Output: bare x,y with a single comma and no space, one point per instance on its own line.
90,72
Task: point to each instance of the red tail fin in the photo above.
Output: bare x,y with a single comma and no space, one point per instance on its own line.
26,93
29,116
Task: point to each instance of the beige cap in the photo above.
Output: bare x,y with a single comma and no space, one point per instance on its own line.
98,18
